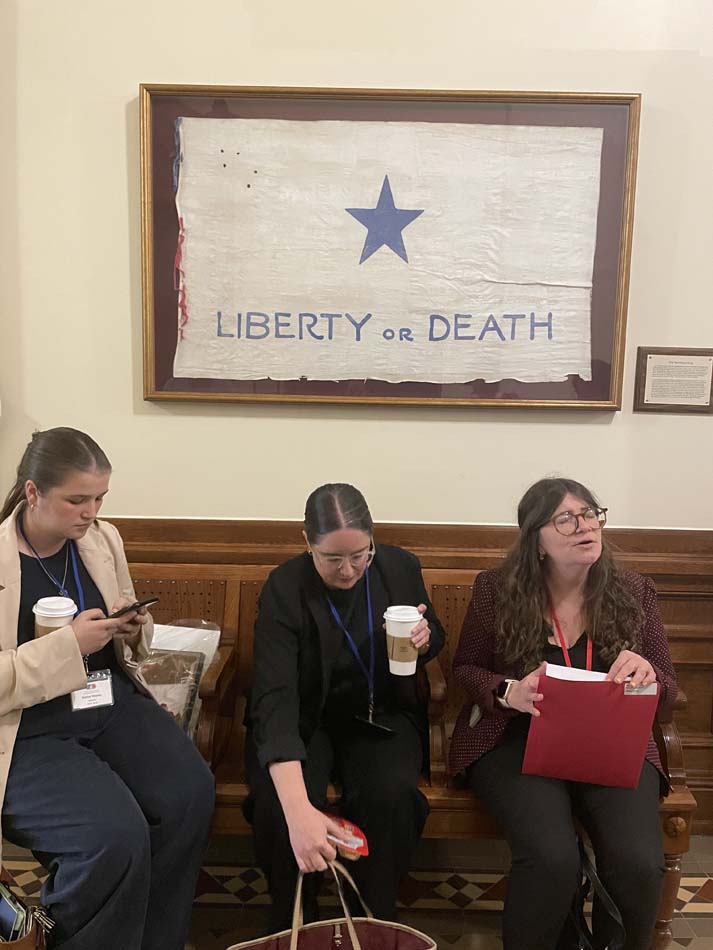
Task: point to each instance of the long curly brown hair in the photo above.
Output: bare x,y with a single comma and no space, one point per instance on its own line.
612,617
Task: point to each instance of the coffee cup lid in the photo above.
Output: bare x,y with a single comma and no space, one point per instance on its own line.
55,607
402,612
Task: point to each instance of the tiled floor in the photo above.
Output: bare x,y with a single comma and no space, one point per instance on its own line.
459,908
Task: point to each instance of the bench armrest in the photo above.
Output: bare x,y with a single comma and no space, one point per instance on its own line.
436,706
217,694
214,677
436,682
669,743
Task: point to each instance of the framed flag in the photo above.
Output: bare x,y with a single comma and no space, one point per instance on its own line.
386,246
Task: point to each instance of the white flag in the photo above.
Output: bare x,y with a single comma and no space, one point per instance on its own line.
437,252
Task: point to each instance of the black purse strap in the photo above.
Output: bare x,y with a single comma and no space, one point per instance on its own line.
590,879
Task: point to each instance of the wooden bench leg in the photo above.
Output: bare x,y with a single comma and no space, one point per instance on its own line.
672,879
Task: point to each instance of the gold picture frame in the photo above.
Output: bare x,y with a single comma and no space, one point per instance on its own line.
617,114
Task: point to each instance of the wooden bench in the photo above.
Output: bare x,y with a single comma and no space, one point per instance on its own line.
228,594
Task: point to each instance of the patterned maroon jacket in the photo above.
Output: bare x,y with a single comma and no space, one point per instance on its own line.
479,670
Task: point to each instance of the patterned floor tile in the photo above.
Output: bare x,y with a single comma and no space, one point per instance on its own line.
478,942
458,908
27,877
239,887
680,928
702,926
705,892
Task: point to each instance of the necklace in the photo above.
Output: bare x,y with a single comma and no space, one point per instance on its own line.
61,587
66,565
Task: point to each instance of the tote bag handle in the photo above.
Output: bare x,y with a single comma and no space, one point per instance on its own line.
336,868
350,880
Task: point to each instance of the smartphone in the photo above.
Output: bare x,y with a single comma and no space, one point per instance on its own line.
134,606
12,916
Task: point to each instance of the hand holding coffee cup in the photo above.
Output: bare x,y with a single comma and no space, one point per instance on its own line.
421,633
406,632
91,628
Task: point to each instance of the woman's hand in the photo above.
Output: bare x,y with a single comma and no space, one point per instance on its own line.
523,694
632,665
131,623
308,829
93,630
421,633
307,826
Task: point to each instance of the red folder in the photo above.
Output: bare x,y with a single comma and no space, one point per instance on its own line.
590,732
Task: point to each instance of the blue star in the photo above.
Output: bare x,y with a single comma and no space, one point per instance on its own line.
384,224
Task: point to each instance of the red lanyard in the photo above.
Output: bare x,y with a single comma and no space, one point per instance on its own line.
563,646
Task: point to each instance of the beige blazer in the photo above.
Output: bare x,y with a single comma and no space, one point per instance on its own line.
53,666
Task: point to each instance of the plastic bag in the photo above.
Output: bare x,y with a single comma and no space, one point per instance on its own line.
174,667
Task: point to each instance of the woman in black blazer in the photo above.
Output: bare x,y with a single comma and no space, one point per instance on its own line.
325,707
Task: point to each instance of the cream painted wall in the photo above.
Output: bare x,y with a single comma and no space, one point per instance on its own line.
70,293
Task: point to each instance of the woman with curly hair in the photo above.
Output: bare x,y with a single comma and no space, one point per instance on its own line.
560,598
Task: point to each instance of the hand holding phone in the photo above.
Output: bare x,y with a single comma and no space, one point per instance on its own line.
131,607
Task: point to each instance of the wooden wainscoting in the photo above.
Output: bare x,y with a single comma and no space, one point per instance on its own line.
215,569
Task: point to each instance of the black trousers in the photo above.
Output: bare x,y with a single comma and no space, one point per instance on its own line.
119,814
536,815
379,779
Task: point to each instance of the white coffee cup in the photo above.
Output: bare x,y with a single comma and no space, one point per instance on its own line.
51,613
400,621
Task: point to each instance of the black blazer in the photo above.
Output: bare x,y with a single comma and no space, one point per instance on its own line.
297,642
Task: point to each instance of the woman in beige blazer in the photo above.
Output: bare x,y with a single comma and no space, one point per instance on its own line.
111,796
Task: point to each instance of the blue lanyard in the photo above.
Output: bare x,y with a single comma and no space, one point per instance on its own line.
75,568
75,571
368,673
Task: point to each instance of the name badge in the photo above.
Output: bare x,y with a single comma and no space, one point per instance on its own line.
98,692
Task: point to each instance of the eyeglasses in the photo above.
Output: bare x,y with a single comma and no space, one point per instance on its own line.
567,522
335,562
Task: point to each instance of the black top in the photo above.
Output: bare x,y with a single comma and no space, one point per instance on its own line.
56,714
36,584
554,654
301,663
348,693
577,655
